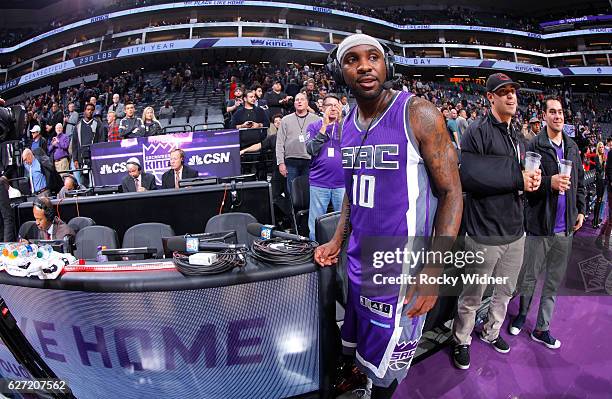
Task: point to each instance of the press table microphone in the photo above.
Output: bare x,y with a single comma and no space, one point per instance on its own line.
187,244
266,232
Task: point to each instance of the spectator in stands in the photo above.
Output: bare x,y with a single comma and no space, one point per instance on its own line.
50,226
152,127
453,129
534,128
291,155
38,141
178,170
117,107
235,103
250,116
276,121
292,88
311,95
259,100
70,120
137,180
462,123
111,128
58,149
40,172
70,184
167,111
473,117
326,174
177,82
276,99
56,117
98,108
87,132
130,126
346,108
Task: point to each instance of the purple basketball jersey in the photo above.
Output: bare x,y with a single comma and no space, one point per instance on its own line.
392,207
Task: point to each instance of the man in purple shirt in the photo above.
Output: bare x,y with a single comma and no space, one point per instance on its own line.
58,149
326,175
554,212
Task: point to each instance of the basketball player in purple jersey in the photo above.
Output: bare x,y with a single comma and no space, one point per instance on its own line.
402,184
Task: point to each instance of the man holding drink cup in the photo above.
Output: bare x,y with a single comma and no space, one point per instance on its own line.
554,212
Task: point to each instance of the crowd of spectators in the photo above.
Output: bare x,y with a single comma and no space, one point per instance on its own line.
259,95
398,15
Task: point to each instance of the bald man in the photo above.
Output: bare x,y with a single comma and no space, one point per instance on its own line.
291,156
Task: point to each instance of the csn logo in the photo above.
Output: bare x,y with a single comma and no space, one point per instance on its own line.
118,167
206,159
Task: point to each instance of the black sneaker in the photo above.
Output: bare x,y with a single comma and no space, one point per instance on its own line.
545,338
461,356
499,344
517,325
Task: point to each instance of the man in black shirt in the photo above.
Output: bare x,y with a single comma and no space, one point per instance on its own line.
87,132
250,116
277,99
56,117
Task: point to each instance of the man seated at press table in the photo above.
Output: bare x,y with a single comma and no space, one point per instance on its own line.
50,226
137,180
178,170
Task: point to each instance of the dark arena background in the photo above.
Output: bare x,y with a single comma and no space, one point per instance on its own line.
169,138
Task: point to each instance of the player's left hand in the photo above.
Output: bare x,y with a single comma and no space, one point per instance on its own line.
426,297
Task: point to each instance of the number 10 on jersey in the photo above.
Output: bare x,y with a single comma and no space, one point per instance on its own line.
363,190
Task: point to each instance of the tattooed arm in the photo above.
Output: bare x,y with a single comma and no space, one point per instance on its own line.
440,158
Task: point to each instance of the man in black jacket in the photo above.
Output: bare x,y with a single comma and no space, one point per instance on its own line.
554,212
130,126
493,180
178,170
87,132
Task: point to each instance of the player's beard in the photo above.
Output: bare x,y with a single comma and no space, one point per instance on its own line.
366,95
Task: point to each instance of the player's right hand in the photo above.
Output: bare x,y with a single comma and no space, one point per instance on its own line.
327,254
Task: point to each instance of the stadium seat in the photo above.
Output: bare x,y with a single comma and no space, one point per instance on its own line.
28,230
325,226
232,221
147,235
89,238
300,200
78,222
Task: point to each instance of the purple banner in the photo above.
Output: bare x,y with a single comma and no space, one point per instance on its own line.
586,18
210,153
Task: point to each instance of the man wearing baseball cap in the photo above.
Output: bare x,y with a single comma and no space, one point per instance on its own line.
534,128
494,181
38,141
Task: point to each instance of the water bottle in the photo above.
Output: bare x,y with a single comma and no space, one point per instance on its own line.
24,251
103,258
44,252
99,256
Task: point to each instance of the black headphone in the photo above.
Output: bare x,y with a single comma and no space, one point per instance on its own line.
48,210
135,164
335,67
74,180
